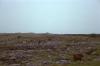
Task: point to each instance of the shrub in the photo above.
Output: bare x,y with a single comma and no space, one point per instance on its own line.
93,35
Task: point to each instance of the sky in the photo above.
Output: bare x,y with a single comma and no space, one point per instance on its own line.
53,16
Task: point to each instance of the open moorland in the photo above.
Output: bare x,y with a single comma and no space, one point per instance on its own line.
29,49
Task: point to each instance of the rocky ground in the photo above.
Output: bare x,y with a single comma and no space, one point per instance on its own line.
60,52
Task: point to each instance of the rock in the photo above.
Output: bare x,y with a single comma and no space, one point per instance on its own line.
46,62
97,59
30,64
14,65
63,62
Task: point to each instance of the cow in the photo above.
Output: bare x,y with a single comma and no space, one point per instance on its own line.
78,57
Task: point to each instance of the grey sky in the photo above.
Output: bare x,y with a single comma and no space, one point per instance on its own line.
54,16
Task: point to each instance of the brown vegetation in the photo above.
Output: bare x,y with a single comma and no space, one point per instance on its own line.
40,50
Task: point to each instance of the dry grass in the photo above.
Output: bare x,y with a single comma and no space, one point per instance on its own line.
48,50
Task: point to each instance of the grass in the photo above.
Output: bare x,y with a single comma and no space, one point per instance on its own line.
53,55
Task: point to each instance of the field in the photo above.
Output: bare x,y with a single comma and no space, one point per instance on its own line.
28,49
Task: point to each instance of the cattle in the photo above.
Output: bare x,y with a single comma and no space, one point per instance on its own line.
78,57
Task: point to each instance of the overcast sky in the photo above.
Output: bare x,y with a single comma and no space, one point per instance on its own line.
54,16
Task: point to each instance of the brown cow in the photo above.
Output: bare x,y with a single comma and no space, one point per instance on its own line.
78,57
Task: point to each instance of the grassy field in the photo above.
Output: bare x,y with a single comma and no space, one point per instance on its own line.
49,50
